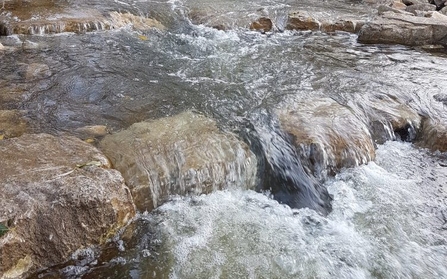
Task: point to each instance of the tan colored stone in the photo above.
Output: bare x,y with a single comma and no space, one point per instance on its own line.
94,131
12,123
433,134
302,20
56,195
183,154
328,136
263,24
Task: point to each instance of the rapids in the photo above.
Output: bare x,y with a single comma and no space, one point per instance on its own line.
388,218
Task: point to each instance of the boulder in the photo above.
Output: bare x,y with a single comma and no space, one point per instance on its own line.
390,118
183,154
57,194
12,123
263,24
433,134
398,28
328,137
420,7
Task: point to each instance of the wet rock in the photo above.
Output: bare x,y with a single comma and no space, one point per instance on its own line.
420,7
49,17
433,134
438,3
95,131
12,124
302,20
328,136
263,24
391,119
394,28
183,154
56,195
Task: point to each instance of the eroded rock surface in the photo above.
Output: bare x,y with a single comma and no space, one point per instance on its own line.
183,154
328,136
56,195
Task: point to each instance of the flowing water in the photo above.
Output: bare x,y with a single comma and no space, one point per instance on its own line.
388,218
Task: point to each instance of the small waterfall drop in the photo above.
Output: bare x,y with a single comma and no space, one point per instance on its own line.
282,171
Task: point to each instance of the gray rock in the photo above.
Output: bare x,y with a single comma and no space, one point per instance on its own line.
57,195
420,7
183,154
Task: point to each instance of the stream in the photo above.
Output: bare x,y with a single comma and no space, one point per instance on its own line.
384,219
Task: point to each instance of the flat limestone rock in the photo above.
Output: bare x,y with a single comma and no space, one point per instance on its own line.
57,195
328,136
399,28
183,154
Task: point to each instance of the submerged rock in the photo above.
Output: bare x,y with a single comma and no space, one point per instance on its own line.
56,195
12,124
390,119
183,154
327,136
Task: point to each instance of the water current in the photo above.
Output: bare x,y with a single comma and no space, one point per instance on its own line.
388,218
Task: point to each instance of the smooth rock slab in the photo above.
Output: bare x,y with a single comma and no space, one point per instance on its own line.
183,154
398,28
328,136
52,206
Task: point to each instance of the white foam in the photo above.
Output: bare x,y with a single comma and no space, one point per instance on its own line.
372,231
